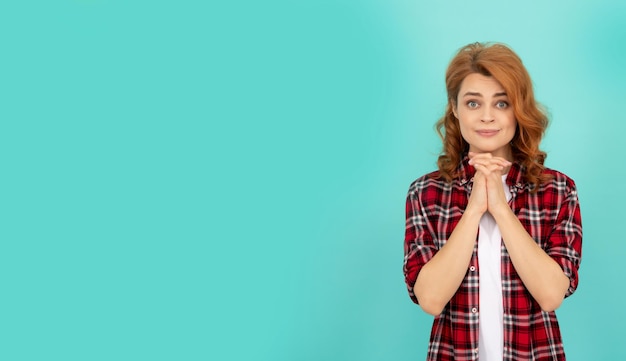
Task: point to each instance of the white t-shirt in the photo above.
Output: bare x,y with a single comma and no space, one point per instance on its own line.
490,339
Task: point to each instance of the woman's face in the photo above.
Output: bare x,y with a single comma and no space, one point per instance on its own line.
485,116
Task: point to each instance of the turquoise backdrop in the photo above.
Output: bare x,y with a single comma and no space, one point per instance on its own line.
214,180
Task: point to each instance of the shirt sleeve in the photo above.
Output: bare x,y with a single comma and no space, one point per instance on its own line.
565,240
419,247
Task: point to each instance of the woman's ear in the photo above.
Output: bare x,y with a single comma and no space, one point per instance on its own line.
453,107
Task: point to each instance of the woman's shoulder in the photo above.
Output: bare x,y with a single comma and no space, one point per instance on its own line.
429,180
559,180
558,176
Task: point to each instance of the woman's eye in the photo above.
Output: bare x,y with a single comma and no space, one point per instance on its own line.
472,104
502,105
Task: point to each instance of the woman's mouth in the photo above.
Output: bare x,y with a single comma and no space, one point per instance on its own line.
487,132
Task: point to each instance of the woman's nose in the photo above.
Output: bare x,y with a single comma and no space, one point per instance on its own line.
487,115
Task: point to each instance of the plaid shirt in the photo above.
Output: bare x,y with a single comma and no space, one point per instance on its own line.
552,218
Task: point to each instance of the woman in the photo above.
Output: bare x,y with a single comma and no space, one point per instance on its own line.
493,238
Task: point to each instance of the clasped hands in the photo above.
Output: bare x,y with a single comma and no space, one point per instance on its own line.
487,191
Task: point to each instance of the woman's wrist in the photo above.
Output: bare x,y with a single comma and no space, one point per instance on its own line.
473,213
500,211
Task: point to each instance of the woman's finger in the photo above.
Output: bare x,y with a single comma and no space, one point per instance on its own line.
487,156
487,169
499,161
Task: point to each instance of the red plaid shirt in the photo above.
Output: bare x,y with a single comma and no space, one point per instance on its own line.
552,218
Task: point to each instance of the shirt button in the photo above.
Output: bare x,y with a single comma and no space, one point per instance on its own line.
474,310
472,268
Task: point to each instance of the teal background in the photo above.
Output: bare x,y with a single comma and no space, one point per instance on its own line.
193,180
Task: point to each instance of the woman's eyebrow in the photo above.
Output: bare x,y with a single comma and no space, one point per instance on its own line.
476,94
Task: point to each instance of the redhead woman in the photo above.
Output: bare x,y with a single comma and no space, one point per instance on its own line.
493,238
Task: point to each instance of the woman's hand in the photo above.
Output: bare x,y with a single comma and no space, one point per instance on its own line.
488,187
478,199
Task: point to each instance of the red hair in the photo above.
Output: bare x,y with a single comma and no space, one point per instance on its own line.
501,63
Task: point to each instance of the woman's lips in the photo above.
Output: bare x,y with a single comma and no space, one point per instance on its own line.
487,132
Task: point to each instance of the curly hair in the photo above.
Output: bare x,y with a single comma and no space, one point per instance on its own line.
500,62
